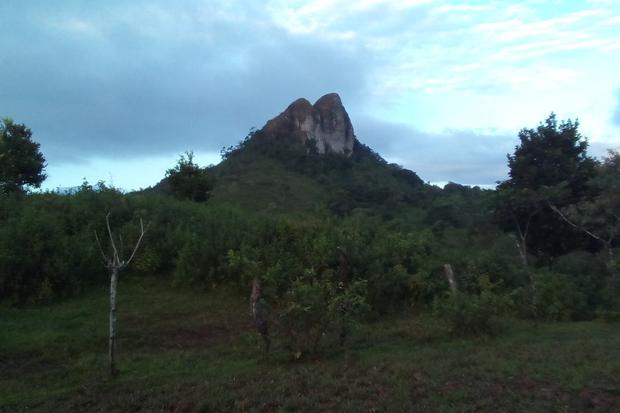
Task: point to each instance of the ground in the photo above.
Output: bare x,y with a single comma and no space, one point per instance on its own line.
187,350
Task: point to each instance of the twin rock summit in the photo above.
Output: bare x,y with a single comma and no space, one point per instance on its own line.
326,123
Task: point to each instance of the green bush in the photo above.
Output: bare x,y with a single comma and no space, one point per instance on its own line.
304,318
41,257
558,297
313,309
474,314
588,273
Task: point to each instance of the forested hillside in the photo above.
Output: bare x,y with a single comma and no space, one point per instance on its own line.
322,245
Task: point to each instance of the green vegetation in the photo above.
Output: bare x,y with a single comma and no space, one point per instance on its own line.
189,181
21,162
190,350
344,258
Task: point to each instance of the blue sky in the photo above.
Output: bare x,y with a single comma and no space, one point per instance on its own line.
116,90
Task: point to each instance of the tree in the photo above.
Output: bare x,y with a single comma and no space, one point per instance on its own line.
599,216
115,262
21,162
188,180
548,158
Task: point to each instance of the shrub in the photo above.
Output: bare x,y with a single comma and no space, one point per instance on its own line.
313,309
474,314
304,318
558,297
588,273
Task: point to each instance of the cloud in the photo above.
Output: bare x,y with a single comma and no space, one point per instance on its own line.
465,156
150,78
146,79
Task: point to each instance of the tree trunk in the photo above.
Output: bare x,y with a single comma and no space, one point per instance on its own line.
611,263
112,350
447,269
522,248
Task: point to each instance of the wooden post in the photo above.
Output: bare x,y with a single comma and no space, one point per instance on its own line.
258,313
112,347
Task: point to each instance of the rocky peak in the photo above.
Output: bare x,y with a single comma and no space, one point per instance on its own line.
326,123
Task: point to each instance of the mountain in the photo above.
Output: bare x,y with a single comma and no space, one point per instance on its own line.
306,159
326,124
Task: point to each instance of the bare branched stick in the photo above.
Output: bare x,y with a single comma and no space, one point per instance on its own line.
105,259
115,264
142,232
571,223
122,247
611,263
115,258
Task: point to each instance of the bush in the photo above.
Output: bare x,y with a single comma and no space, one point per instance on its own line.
313,309
41,256
474,314
558,297
588,273
304,318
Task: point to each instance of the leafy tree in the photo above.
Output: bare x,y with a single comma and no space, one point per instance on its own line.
549,158
21,162
188,180
599,215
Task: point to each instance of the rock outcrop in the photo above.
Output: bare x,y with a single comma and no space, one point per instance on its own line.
326,123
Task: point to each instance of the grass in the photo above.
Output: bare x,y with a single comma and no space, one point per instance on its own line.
195,351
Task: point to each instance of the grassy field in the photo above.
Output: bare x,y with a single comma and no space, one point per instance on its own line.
192,351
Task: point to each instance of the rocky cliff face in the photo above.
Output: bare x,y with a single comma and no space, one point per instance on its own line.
326,123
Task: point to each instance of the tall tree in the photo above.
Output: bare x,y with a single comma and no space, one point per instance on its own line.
21,161
549,164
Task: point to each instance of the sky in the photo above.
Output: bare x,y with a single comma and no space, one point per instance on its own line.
117,90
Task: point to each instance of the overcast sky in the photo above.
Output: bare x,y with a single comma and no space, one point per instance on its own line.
116,90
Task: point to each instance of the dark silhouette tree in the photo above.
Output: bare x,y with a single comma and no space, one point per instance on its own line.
21,161
550,164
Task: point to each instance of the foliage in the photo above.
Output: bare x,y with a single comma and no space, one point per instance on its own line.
600,212
558,297
313,309
475,313
305,317
549,156
21,161
267,173
588,273
322,232
187,180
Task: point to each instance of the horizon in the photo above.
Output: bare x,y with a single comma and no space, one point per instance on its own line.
118,92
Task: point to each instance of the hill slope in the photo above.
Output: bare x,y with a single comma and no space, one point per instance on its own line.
308,158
